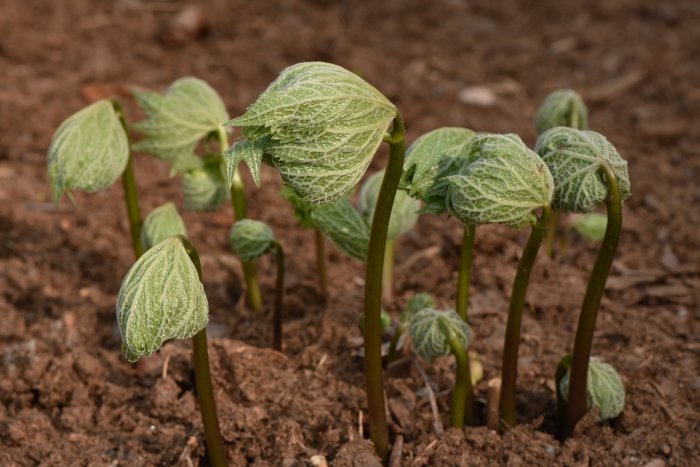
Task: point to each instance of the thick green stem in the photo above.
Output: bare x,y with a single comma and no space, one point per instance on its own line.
321,264
562,369
378,429
462,397
131,196
509,370
550,239
465,268
388,273
279,296
240,211
591,303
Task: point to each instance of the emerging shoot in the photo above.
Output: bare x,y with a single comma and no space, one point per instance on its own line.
604,389
416,303
163,222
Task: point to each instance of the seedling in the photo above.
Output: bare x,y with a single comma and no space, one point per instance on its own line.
250,239
587,171
505,183
416,303
163,222
177,123
88,152
162,298
604,388
320,126
591,226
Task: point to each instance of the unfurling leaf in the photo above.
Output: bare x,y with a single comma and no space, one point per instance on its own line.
320,126
430,330
250,152
404,213
604,389
302,209
178,120
418,302
204,188
163,222
344,226
575,159
591,225
505,182
430,159
161,298
250,239
563,107
88,152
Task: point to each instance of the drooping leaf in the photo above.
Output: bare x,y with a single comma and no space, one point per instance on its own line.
321,125
563,107
250,239
416,303
161,298
404,213
575,159
250,152
604,389
344,226
591,225
163,222
430,329
88,152
178,120
430,159
503,184
204,188
302,209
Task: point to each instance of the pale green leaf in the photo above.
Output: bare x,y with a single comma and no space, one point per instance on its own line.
575,159
161,298
344,226
250,239
204,188
302,209
178,120
384,321
404,212
322,125
505,182
250,152
163,222
604,389
591,225
429,330
416,303
88,152
563,107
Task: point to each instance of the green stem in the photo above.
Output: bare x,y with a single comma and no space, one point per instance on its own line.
462,398
591,303
131,196
321,264
551,237
279,296
509,372
465,266
388,272
202,375
240,211
378,428
562,369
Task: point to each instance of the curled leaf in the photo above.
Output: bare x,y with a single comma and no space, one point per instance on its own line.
88,152
604,389
505,182
302,209
320,125
251,152
204,188
161,298
404,212
163,222
575,159
430,329
563,107
344,226
416,303
250,239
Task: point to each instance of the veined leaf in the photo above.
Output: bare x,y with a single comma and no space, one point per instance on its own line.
430,159
321,125
404,212
505,182
161,298
344,226
250,239
178,120
163,222
204,188
251,152
604,389
563,107
418,302
575,159
88,152
430,329
302,209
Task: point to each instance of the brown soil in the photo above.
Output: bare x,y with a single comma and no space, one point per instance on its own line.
69,398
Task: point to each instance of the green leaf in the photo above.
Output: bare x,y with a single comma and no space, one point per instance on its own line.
163,222
302,209
250,239
416,303
604,389
575,159
344,226
251,152
178,120
323,125
161,298
204,188
563,107
384,320
591,225
430,159
430,329
404,212
505,182
88,152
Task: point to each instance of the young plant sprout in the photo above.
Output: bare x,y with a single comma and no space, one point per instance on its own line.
587,171
320,126
504,184
250,239
177,122
163,222
437,333
604,388
88,152
416,303
162,298
591,226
